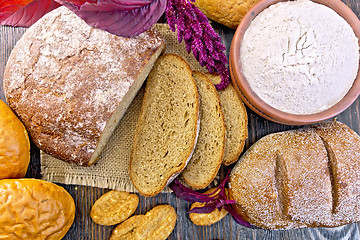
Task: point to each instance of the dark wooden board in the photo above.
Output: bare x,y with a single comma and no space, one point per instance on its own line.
84,228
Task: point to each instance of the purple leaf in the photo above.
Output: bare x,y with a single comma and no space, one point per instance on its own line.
188,194
126,18
236,216
205,209
114,5
216,199
24,13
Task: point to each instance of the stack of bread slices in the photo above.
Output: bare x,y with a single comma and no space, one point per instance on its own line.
186,126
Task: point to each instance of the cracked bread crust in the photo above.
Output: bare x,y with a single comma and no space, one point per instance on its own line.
70,83
300,178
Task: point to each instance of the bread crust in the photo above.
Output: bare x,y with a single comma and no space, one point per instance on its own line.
228,12
34,209
114,207
14,145
66,81
300,178
190,175
177,170
206,219
232,104
343,146
156,224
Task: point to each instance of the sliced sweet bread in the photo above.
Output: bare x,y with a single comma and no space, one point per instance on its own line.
210,147
235,121
168,126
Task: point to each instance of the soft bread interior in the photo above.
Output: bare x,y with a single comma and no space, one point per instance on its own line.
121,109
167,127
210,147
235,116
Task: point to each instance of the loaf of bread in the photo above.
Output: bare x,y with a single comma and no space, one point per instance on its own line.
14,145
235,121
229,12
300,178
70,84
168,126
210,147
34,209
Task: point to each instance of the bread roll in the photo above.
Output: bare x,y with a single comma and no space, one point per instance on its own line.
300,178
14,145
343,147
70,84
34,209
229,12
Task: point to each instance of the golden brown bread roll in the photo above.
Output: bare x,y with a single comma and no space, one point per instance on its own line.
34,209
300,178
228,12
14,145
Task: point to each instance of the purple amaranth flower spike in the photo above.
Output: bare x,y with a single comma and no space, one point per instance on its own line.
194,29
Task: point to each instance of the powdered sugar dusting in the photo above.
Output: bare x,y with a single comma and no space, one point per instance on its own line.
65,79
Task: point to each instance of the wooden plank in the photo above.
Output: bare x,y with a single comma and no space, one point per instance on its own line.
8,38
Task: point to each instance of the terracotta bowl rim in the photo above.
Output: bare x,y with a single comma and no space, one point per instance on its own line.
262,108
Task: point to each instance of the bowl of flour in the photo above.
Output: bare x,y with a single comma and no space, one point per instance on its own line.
297,62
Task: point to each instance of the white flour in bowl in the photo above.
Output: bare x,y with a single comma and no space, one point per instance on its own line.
300,57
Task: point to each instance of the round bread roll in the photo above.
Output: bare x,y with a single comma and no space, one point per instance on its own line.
229,12
34,209
300,178
14,145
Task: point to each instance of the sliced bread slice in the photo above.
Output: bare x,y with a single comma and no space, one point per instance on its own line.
168,126
210,147
235,121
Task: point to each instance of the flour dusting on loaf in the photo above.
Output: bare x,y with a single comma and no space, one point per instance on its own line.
300,178
343,146
70,83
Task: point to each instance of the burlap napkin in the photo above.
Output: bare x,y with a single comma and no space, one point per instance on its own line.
111,170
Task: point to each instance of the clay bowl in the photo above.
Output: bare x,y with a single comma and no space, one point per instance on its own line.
258,105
